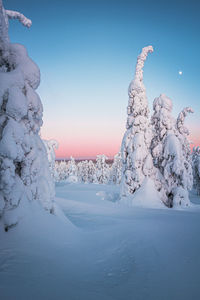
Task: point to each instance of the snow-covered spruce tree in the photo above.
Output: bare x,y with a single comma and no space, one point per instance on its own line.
102,169
136,158
183,134
24,170
84,172
116,169
50,146
170,153
92,178
61,171
72,170
196,169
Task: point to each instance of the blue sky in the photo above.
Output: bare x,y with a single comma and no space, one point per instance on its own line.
87,50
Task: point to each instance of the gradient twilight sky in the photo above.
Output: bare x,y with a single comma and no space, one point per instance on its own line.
87,50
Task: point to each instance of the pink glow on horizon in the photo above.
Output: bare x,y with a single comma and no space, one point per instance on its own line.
89,143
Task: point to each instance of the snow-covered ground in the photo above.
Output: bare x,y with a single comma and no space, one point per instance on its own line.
97,249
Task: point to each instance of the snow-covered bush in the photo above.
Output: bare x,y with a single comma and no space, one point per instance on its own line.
102,169
170,151
116,169
136,158
24,170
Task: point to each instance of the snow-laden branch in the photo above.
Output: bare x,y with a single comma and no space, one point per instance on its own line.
4,39
140,64
181,119
16,15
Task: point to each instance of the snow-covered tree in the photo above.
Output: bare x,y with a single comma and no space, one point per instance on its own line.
92,178
72,170
183,134
170,153
102,169
136,158
196,168
84,171
24,170
116,169
61,171
50,146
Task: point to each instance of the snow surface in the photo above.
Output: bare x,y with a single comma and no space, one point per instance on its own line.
100,250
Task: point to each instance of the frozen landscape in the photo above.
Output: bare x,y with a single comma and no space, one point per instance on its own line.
125,228
99,249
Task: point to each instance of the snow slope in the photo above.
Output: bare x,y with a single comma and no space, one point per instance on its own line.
101,250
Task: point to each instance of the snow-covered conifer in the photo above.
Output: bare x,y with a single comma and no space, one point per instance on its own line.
102,169
50,146
116,169
183,134
24,170
62,170
196,169
72,170
169,154
84,172
92,178
136,157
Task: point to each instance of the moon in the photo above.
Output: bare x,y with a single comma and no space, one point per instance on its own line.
180,72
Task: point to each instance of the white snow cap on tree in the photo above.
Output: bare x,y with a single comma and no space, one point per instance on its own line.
136,158
24,170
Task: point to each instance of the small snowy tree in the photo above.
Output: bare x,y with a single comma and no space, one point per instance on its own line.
92,178
84,172
61,171
72,170
50,146
136,158
102,169
24,170
116,169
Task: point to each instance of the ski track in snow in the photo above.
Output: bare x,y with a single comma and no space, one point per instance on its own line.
103,251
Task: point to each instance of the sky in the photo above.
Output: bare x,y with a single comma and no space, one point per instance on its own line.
87,51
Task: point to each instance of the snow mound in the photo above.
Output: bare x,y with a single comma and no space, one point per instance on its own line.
72,179
108,196
145,196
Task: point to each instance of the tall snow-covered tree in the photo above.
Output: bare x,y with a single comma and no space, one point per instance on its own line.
170,152
196,168
136,158
24,170
183,134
